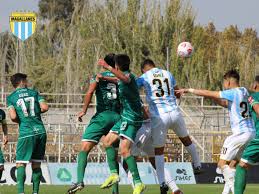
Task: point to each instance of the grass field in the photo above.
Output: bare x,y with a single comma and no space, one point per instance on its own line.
151,189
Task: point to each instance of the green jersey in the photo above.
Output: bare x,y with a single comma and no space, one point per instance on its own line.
130,99
2,116
26,103
254,99
106,94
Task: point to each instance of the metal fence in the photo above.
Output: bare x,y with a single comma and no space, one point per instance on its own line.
208,127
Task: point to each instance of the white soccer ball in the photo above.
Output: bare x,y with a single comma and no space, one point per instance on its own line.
185,49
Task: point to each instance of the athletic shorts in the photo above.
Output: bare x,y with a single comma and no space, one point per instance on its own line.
143,145
1,158
126,129
251,152
234,145
160,125
100,125
31,149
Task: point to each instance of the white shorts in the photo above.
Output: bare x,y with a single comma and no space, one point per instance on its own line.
143,145
160,125
234,145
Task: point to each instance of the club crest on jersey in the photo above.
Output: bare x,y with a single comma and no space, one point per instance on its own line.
23,24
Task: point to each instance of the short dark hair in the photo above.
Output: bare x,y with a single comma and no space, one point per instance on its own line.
17,78
122,61
232,74
257,78
109,59
147,62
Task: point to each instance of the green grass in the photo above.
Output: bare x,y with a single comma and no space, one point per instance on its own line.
151,189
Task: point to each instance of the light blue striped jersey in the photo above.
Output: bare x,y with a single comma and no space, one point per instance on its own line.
240,117
159,88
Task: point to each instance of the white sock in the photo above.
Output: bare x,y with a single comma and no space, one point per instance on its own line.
170,181
226,189
160,168
195,157
229,176
130,179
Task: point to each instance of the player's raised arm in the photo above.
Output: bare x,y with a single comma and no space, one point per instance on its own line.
88,98
119,74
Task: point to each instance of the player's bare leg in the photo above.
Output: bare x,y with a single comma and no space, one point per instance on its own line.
190,147
36,176
20,177
86,147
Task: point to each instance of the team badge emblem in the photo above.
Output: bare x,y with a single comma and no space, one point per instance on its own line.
23,24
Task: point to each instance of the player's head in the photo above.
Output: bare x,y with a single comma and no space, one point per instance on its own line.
19,80
255,85
109,59
146,65
231,79
122,62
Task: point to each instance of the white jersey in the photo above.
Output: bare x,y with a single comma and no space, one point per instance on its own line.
240,118
159,88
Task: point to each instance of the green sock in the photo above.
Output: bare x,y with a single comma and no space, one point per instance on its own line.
132,165
111,157
20,179
115,187
240,180
36,176
81,165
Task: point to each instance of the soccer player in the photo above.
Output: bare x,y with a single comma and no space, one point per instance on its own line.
143,146
5,139
251,153
159,86
107,114
25,108
235,98
131,120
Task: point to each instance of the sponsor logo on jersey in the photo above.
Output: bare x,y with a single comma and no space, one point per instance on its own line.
23,24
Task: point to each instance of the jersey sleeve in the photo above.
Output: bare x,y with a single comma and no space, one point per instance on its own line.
253,100
228,94
172,79
40,98
9,103
140,81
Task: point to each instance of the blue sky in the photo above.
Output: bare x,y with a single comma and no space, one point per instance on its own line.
243,13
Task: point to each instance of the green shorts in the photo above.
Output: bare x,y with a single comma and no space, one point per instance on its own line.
251,152
1,157
31,149
100,124
126,129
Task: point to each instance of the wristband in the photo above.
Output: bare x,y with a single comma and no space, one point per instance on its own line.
191,90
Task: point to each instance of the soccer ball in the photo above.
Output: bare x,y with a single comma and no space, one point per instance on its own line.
185,49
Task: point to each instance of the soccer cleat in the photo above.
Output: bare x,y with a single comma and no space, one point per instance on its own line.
139,188
177,192
75,187
197,170
163,188
111,180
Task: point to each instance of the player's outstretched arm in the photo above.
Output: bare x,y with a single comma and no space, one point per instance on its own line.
110,79
119,74
5,130
205,93
87,100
